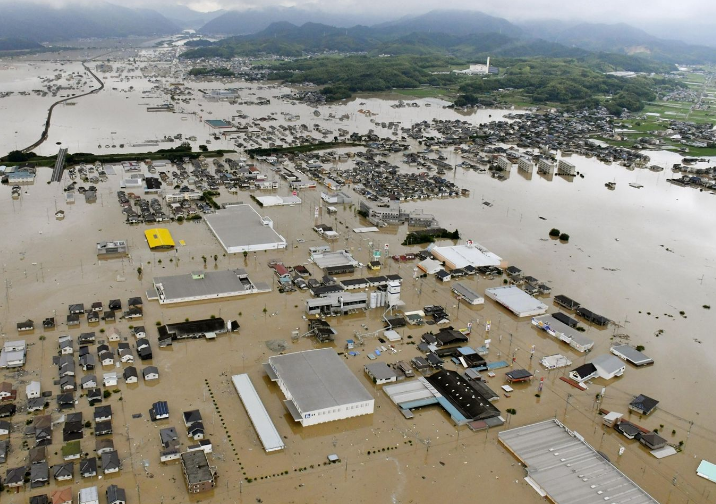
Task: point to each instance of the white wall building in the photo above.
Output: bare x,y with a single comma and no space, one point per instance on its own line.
318,387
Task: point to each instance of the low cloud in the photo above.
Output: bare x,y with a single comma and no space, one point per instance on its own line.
638,12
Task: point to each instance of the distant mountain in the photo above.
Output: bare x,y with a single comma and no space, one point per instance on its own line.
41,23
255,20
453,22
186,18
286,39
18,44
620,38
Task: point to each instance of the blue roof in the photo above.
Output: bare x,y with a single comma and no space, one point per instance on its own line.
466,351
161,408
496,365
707,470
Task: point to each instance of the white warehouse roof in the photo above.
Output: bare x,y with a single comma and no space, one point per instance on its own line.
260,418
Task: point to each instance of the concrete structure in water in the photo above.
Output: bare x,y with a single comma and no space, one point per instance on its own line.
525,165
116,248
198,474
545,167
566,168
318,387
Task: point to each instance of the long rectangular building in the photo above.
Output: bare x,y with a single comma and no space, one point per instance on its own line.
563,332
318,386
204,286
260,418
466,293
516,300
564,468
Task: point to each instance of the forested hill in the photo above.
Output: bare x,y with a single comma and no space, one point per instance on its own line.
286,39
453,32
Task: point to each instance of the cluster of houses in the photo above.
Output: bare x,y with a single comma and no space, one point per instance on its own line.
105,356
199,476
93,314
75,462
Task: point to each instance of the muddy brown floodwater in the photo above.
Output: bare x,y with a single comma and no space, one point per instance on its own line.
637,256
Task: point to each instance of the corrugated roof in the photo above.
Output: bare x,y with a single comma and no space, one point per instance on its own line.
568,469
318,379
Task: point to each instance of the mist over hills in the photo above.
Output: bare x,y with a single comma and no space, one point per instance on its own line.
546,38
466,34
255,20
184,17
41,23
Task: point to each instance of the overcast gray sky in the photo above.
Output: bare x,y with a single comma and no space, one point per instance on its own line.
605,10
596,11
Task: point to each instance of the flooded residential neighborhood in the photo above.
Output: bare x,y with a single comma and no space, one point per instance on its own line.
149,284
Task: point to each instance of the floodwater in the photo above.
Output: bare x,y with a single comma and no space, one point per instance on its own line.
118,115
637,256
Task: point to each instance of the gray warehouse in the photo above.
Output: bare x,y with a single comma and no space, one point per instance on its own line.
240,228
318,386
564,468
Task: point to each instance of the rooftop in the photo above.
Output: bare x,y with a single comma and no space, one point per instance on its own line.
516,300
159,238
459,256
318,379
211,284
567,469
260,418
196,467
240,227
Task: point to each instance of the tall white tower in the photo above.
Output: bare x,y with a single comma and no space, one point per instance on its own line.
393,294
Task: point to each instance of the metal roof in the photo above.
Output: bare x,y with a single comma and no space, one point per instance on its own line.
260,418
240,227
318,379
159,238
459,256
211,285
88,495
567,469
631,354
516,300
707,470
466,292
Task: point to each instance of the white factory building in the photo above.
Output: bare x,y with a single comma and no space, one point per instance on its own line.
318,387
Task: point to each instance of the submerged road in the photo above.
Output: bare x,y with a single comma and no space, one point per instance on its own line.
46,131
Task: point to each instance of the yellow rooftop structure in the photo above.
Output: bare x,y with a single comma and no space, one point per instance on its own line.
159,238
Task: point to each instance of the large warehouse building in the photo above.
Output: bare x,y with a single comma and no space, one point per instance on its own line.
318,386
561,466
240,228
460,256
516,300
204,285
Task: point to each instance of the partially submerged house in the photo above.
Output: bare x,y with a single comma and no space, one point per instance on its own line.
643,404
